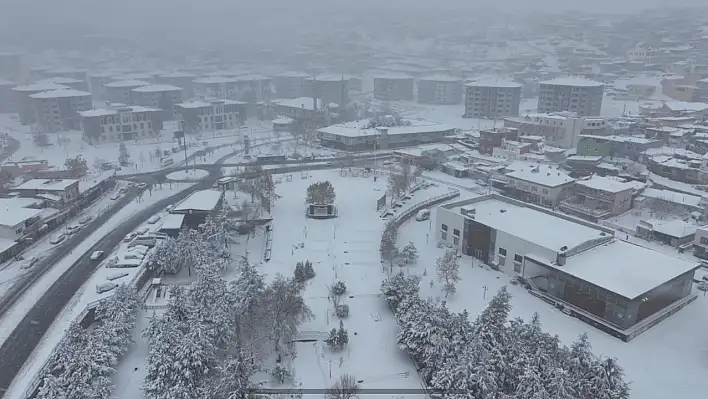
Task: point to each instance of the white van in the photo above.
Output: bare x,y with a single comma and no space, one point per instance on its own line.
423,214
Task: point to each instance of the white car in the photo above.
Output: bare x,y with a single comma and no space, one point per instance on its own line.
97,255
115,196
142,185
129,237
57,239
73,229
86,219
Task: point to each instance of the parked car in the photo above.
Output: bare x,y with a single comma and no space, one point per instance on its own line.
129,237
97,255
142,185
154,219
73,229
115,196
57,239
133,255
423,214
142,231
30,263
143,240
105,287
86,219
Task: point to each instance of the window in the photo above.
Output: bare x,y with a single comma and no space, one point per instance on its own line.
545,191
444,227
456,240
456,232
517,267
704,240
502,252
444,235
518,258
501,260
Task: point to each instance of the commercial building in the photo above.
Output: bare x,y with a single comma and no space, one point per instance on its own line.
618,287
71,83
120,124
540,184
183,80
163,97
559,129
394,87
62,190
290,84
582,96
198,206
329,88
121,91
210,115
598,198
58,110
359,135
25,105
7,97
491,99
439,89
18,168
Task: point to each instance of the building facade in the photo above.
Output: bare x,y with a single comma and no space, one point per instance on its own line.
582,96
492,99
71,83
121,91
66,190
356,135
489,139
210,115
328,88
598,198
120,124
290,84
162,97
394,87
544,185
183,80
58,110
439,89
615,146
25,105
560,129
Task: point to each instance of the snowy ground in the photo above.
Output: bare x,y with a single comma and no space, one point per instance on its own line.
87,294
191,174
669,360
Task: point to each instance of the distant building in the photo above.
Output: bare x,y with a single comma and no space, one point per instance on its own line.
66,190
121,91
120,124
329,88
582,96
163,97
58,110
598,198
7,97
394,87
74,73
615,146
97,82
71,83
561,129
489,139
544,185
252,87
183,80
25,105
356,135
297,108
18,168
439,89
210,115
491,99
290,84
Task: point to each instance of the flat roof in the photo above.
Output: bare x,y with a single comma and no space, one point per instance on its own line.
114,111
156,88
177,75
46,184
573,81
440,78
356,128
605,184
61,80
127,83
62,93
214,80
300,102
673,228
493,82
19,202
673,196
204,200
38,87
547,175
172,221
621,139
523,222
6,244
626,269
207,104
293,74
13,215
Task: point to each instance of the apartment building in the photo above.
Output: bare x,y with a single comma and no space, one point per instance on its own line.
560,129
541,184
163,97
58,110
7,97
74,73
598,198
491,99
290,84
120,124
71,83
121,91
252,87
489,139
183,80
210,115
215,87
700,243
25,105
330,88
439,89
97,83
394,87
579,95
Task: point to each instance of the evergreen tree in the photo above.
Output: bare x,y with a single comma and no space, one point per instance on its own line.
399,287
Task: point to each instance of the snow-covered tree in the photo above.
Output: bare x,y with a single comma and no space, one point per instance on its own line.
77,166
304,271
409,253
248,293
338,338
320,193
233,378
448,270
286,310
608,381
402,180
345,388
123,154
341,311
399,287
388,248
40,139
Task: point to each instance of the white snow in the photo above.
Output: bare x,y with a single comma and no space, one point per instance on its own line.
156,88
39,87
127,83
672,196
204,200
605,184
61,93
12,216
546,176
192,174
492,82
172,222
440,78
573,81
47,184
358,128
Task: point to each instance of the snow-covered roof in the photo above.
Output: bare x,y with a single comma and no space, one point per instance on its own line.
573,81
673,228
392,75
206,104
61,80
38,87
672,196
293,74
357,128
127,83
300,102
283,121
686,106
626,269
177,75
214,80
5,82
114,111
63,93
156,88
621,139
12,216
251,77
133,76
493,82
440,78
204,200
172,222
62,71
605,184
6,244
547,176
329,77
47,184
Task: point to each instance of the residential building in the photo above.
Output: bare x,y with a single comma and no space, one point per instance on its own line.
641,54
120,124
7,97
15,221
618,287
423,154
489,139
183,80
439,89
25,105
598,198
330,88
163,97
700,243
216,87
252,87
511,149
672,202
58,110
65,190
615,146
71,83
297,108
559,129
121,91
491,99
74,73
18,168
97,83
675,232
676,164
394,87
11,67
544,185
210,115
358,135
290,84
582,96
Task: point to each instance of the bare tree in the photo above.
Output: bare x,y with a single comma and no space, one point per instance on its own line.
286,310
448,269
346,387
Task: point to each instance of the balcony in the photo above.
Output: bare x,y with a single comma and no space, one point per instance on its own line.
572,206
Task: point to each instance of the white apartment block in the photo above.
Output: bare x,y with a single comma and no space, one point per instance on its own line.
210,115
544,185
120,124
641,54
163,97
559,129
491,99
58,110
579,95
